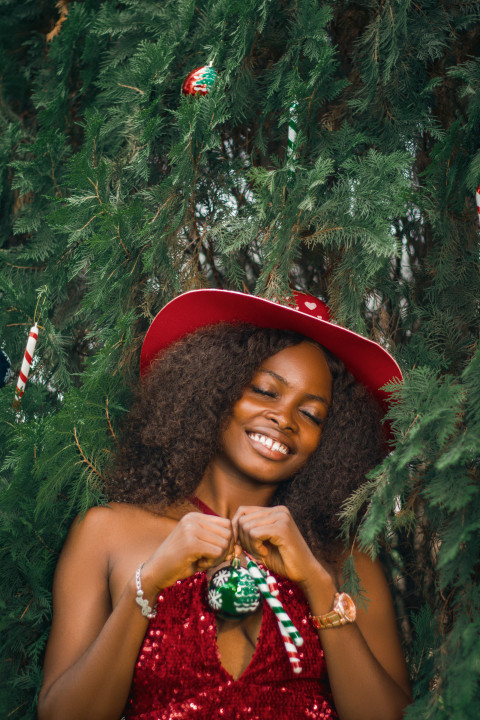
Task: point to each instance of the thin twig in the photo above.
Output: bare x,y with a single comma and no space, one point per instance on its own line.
26,267
121,242
96,189
136,261
84,458
23,325
131,87
160,209
26,610
57,189
54,552
17,708
92,218
108,420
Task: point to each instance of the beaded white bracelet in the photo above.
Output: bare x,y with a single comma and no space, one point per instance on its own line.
147,611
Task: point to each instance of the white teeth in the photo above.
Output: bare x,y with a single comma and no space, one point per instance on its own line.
269,443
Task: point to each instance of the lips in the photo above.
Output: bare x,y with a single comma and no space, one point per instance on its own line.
275,446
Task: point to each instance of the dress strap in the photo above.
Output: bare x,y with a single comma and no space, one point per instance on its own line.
203,507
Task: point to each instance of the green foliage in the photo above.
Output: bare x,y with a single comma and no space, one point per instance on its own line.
117,193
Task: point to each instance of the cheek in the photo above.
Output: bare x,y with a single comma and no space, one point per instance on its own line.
312,441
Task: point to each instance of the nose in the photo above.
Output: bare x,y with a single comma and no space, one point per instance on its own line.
283,416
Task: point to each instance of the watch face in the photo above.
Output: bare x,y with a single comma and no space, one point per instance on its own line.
346,607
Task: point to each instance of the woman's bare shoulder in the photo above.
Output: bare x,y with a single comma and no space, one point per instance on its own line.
107,526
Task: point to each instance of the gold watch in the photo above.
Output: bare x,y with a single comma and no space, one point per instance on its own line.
344,611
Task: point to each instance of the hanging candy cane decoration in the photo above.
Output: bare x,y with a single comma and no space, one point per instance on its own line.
291,141
292,651
26,364
477,198
290,635
272,585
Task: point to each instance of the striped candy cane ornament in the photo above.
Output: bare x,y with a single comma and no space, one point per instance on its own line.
292,137
26,364
272,585
290,635
292,651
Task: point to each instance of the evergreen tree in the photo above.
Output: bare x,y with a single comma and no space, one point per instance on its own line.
117,193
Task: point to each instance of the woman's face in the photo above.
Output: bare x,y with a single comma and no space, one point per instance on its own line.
277,423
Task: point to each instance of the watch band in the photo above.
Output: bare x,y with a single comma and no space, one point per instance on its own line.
344,611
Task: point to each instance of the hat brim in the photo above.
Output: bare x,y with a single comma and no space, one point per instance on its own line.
368,362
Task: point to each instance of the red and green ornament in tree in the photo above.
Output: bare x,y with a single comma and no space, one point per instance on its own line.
199,81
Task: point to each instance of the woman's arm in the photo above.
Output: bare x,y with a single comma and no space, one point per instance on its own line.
92,649
366,669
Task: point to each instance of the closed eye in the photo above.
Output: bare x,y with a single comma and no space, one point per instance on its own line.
314,418
260,391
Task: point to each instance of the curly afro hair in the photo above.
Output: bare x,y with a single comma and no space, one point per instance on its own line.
173,429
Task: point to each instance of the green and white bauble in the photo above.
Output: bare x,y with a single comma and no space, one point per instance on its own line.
232,592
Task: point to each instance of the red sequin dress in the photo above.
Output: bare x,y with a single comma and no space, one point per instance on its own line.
178,674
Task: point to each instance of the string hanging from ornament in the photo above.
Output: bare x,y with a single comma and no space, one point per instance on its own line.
200,80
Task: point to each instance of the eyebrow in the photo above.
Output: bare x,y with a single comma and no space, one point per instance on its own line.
310,396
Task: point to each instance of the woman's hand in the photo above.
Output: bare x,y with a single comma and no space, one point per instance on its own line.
271,536
197,543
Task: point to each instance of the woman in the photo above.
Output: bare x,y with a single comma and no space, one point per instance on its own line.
244,439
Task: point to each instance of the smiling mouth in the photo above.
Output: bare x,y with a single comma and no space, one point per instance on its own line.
273,445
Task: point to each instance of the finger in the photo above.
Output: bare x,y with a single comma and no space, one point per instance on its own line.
209,553
231,545
252,543
223,525
205,520
229,552
206,563
255,528
238,514
196,524
250,511
207,538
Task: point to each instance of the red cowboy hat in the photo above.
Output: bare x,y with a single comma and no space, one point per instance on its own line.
368,362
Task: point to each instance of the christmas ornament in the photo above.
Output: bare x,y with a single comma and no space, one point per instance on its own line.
232,593
26,364
5,369
292,652
290,635
199,81
292,137
477,198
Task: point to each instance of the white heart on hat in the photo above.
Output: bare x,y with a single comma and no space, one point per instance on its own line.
310,305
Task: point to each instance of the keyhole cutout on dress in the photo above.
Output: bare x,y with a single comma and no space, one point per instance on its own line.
237,642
